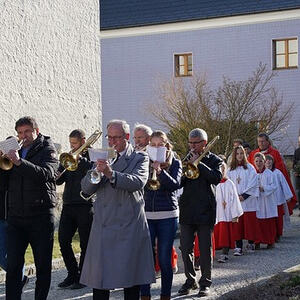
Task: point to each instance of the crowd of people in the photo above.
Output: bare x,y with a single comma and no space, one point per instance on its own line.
130,216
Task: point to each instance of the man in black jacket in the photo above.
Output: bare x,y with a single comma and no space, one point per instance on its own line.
197,207
77,214
31,202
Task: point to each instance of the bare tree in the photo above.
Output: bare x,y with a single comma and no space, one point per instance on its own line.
237,109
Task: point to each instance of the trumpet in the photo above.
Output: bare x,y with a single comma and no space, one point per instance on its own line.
190,170
5,163
187,157
69,160
95,176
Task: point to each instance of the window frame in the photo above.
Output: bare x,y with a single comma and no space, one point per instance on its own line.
186,64
286,53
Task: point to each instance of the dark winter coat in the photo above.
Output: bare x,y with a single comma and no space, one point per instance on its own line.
197,204
31,186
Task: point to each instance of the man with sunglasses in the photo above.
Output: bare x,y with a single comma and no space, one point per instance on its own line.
197,213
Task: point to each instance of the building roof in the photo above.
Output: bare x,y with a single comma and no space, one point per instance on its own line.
132,13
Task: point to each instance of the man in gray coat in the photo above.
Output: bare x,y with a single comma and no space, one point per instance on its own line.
119,253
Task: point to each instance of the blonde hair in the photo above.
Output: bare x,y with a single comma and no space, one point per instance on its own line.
163,136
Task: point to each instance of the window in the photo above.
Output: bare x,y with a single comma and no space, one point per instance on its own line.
183,65
285,53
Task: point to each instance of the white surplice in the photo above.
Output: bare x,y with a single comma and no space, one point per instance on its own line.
283,192
246,182
228,202
267,200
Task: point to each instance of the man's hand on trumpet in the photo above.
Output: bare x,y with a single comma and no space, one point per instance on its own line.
104,167
193,157
13,155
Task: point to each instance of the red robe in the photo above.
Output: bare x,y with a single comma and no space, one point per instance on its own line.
279,164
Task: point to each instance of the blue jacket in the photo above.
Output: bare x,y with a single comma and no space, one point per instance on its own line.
164,199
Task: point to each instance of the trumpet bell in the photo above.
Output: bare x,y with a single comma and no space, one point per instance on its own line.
95,177
5,163
191,171
68,161
153,185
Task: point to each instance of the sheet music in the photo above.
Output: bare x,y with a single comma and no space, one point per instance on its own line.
157,153
9,144
104,154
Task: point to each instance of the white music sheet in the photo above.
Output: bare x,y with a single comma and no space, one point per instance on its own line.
9,144
104,154
157,153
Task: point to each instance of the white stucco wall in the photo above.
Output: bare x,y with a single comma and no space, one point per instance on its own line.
50,66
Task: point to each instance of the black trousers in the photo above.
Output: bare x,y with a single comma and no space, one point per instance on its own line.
132,293
74,217
187,237
38,232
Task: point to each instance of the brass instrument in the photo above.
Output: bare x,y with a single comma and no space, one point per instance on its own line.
5,163
87,198
153,184
69,160
96,176
190,170
187,157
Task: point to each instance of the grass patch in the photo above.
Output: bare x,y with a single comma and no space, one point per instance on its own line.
283,286
56,250
292,282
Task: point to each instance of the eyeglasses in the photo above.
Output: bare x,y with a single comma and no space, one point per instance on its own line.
114,137
195,143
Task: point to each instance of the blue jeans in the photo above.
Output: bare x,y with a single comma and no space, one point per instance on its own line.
3,251
164,231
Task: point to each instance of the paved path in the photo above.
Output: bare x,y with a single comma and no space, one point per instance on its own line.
237,273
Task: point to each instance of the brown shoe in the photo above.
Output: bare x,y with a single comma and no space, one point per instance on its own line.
145,297
165,297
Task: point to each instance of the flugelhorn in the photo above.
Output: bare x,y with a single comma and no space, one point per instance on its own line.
69,160
96,176
190,170
5,163
153,183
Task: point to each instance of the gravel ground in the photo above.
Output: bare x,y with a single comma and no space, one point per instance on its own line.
237,273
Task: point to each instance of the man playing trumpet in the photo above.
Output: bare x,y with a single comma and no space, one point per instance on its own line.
197,207
119,253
